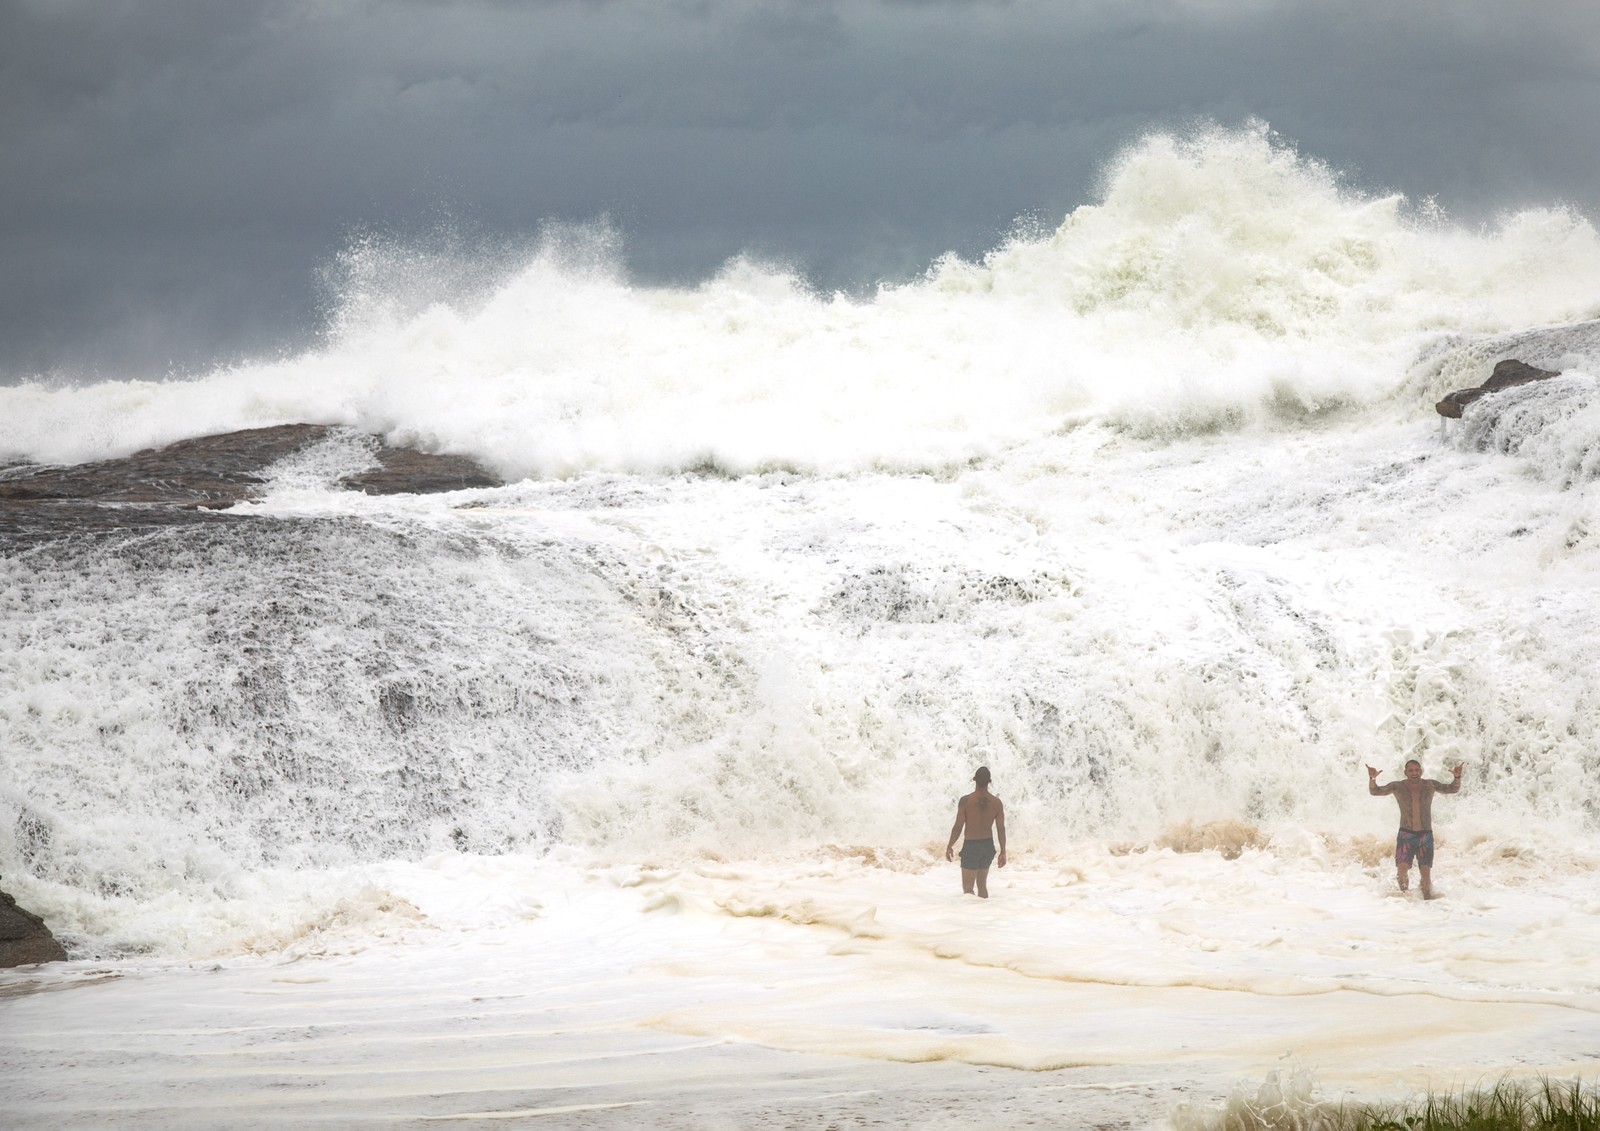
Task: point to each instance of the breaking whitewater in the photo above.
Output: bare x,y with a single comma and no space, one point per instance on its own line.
617,794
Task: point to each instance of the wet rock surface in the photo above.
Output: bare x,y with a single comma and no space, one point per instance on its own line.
1506,374
189,481
406,471
24,938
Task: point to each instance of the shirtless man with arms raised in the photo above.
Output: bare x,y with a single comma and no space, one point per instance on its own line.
1415,840
984,817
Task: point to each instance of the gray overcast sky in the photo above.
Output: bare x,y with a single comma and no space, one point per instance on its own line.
173,175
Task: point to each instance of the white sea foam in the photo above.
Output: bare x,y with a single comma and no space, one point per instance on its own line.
1133,635
852,982
1222,280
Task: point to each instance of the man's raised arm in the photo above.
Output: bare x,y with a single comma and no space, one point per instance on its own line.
1455,781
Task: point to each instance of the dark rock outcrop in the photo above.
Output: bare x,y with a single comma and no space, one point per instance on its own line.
185,482
405,471
1505,375
211,471
24,938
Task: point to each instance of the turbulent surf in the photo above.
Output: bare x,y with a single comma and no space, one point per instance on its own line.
1151,513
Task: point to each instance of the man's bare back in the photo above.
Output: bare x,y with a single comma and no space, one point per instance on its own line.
983,816
978,811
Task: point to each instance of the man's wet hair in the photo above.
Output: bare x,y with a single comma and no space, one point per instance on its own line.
982,776
1413,762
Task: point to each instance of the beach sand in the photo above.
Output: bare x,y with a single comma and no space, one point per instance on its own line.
834,992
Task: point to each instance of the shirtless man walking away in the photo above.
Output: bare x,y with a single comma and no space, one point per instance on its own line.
1415,840
984,816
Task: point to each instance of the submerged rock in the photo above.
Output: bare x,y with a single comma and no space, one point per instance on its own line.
1506,374
186,481
24,938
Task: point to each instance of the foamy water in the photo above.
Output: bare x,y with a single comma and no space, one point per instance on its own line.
613,784
1221,280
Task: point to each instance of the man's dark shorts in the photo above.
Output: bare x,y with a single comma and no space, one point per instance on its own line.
976,855
1411,845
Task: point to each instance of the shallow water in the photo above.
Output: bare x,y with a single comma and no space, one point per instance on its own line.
845,985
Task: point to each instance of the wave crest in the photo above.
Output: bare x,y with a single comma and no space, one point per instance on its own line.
1223,281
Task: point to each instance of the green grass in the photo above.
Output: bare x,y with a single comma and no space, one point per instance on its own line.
1511,1105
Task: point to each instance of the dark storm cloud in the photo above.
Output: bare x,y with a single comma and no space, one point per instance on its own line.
172,175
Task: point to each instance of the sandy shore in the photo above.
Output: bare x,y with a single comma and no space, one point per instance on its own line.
853,996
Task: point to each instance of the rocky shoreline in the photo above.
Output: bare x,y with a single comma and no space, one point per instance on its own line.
1507,374
24,938
192,480
189,482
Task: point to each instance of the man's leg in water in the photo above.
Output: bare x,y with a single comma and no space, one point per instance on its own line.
983,884
1402,876
1427,881
969,876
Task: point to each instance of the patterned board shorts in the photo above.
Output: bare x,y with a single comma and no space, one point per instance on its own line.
1411,845
976,855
